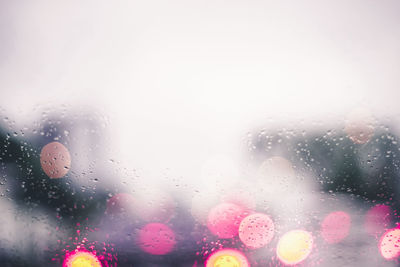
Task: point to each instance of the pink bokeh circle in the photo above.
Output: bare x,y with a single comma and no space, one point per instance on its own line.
335,227
55,160
224,219
156,239
389,244
256,230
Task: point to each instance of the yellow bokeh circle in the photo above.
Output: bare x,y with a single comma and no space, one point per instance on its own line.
294,247
227,258
82,259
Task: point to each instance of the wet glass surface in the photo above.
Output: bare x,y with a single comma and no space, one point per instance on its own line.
207,134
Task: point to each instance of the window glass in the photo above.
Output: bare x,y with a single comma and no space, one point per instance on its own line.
199,134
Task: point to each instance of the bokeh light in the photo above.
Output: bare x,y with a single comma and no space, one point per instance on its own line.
156,239
389,244
335,227
294,247
227,258
377,219
55,160
256,230
202,202
224,219
81,259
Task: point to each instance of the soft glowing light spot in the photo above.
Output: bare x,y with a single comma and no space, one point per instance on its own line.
294,247
389,244
256,230
360,126
121,203
378,219
227,258
224,219
156,239
226,261
335,227
55,160
81,259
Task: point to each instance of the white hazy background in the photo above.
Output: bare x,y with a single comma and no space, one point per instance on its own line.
184,80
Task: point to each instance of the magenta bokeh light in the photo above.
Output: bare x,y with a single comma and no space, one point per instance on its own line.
335,227
224,219
156,239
